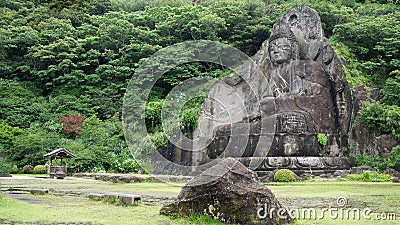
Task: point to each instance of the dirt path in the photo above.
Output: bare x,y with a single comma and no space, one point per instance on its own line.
13,222
22,197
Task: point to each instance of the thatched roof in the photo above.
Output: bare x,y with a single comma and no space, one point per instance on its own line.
60,153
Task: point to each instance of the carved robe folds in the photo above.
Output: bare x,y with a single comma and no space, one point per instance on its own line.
303,109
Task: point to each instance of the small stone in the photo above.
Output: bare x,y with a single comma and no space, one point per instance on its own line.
360,169
268,176
111,197
341,173
305,176
95,196
130,179
39,191
326,176
128,199
395,180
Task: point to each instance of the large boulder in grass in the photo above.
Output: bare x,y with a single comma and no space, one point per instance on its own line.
231,193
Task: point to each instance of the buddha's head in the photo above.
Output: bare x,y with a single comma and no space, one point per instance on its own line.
283,46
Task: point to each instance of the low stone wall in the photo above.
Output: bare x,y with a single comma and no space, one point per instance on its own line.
124,199
116,178
111,177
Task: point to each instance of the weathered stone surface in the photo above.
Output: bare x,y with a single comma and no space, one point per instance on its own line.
362,141
268,176
128,199
39,191
96,196
298,164
395,179
169,178
326,176
110,196
305,176
360,169
341,173
114,178
229,192
130,179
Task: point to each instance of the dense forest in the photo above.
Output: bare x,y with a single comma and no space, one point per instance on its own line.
65,66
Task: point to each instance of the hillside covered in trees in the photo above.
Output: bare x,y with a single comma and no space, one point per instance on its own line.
65,66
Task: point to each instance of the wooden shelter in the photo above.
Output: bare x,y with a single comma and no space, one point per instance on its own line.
59,170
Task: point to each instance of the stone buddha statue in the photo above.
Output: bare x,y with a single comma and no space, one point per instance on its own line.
299,94
282,49
301,91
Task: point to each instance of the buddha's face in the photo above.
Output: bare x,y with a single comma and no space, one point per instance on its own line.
280,50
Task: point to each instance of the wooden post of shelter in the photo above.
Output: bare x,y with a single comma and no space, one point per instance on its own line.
59,171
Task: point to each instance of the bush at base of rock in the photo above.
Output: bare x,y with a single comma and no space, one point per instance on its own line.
27,169
14,169
367,176
284,175
40,169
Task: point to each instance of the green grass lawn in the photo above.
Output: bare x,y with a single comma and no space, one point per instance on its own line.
381,198
70,204
77,209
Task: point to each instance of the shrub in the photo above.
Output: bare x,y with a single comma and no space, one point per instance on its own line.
378,164
27,169
380,118
159,139
126,165
14,169
373,161
153,115
190,117
5,166
40,169
284,175
367,176
322,139
394,159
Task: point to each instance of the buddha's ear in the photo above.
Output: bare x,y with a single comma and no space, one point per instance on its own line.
295,51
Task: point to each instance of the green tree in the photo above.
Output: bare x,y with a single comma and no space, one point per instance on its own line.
391,90
7,136
19,106
30,146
